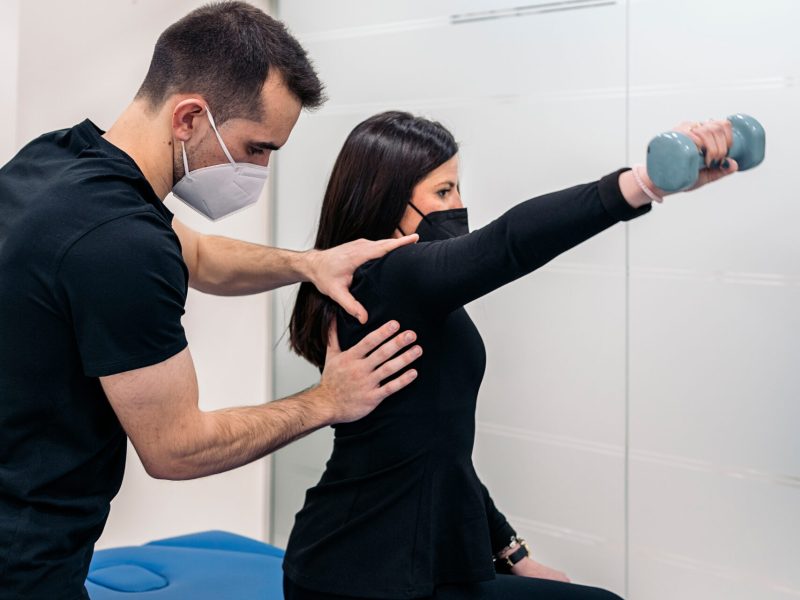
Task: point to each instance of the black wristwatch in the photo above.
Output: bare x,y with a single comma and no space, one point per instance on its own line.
520,550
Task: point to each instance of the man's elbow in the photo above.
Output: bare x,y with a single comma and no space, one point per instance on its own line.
161,465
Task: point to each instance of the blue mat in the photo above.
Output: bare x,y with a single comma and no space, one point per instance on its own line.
212,565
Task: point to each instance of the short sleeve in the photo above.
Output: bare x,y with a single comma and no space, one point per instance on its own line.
124,285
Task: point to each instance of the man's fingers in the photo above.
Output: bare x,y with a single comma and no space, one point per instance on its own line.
390,348
382,247
399,363
397,384
394,243
345,299
375,338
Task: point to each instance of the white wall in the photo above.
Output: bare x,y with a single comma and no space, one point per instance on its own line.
86,58
715,316
9,58
644,383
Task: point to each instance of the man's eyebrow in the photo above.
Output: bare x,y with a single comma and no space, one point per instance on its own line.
265,146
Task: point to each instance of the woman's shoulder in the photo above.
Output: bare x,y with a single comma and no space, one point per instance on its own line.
394,263
392,280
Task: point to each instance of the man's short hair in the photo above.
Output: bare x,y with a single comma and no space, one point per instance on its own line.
224,51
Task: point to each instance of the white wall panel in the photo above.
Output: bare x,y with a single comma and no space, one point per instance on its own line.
713,377
698,532
9,59
537,54
708,43
714,318
562,495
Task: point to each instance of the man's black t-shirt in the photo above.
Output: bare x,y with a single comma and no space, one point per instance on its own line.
92,283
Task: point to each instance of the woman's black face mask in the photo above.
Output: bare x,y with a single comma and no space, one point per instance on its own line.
442,224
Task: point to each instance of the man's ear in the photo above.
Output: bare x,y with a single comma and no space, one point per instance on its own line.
184,117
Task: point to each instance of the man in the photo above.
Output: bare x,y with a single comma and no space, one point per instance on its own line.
93,280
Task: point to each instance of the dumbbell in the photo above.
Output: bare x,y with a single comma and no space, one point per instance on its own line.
673,160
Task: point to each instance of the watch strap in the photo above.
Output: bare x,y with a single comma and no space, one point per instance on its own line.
516,556
503,565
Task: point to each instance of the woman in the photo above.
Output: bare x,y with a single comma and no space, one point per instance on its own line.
400,511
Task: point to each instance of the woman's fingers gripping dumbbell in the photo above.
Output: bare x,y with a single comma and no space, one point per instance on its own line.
713,138
705,176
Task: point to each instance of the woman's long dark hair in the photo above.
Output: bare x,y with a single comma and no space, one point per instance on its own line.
372,181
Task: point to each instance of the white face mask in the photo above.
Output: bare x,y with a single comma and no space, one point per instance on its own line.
220,190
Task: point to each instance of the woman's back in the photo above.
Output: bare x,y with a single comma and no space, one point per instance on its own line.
401,479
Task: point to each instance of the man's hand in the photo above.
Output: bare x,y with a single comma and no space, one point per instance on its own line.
528,567
351,381
331,271
158,407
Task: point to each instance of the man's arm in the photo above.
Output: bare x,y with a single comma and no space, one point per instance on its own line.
228,267
157,406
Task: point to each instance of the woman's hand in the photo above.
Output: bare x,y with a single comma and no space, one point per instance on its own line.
713,139
528,567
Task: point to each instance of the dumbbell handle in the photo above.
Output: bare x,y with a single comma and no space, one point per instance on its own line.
673,160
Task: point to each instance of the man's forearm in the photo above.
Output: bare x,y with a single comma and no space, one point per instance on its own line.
228,267
225,439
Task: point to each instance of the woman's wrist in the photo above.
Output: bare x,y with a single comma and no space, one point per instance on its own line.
516,551
637,188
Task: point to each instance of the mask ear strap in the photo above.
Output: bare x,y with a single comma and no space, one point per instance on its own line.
185,162
419,212
219,137
400,230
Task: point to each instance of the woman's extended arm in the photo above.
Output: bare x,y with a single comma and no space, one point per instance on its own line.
448,274
445,275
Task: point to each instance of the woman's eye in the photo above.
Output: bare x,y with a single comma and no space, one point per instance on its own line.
442,193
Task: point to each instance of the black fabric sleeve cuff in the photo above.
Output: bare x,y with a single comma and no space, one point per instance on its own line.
134,362
613,200
501,536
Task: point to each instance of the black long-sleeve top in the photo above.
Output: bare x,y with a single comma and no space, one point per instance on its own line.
399,508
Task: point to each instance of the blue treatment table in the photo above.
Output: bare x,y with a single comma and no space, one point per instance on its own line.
212,565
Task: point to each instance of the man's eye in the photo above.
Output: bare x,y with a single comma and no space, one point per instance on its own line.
255,151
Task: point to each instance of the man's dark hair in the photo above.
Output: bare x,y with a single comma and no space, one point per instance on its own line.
224,51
